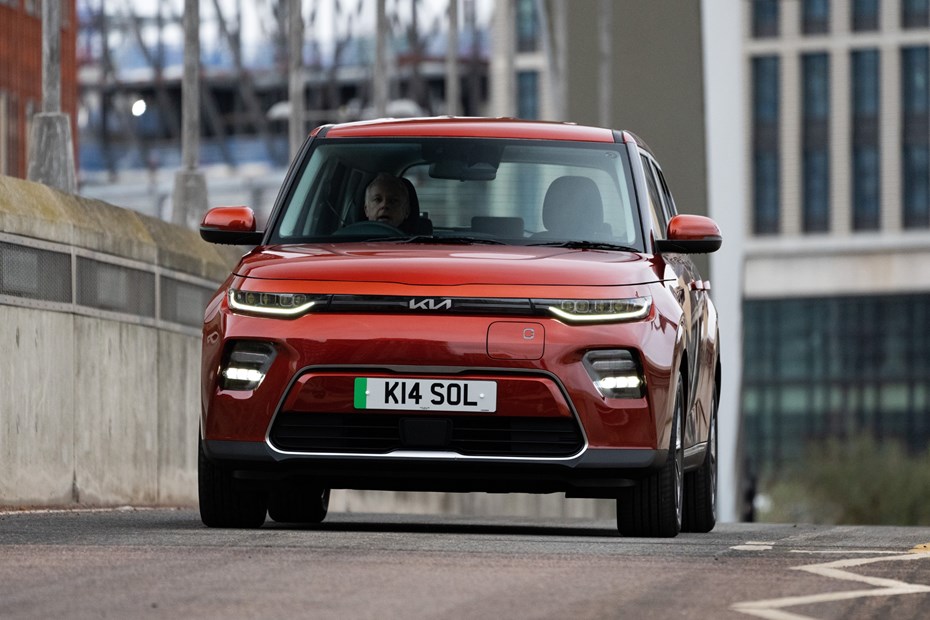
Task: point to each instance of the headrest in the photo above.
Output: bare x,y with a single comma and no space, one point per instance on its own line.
415,224
573,206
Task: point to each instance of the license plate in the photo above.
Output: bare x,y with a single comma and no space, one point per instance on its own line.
425,394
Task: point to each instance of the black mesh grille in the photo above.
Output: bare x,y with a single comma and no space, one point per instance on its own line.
182,302
114,287
473,435
33,273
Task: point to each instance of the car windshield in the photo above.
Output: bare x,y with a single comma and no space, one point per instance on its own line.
466,191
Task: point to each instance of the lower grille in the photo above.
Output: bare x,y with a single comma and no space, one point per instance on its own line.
466,434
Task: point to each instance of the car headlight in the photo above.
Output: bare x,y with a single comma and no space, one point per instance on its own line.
284,305
599,310
615,373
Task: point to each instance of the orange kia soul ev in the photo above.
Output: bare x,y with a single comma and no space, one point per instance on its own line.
459,305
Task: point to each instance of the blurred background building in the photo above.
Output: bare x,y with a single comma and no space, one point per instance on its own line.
21,75
837,256
131,56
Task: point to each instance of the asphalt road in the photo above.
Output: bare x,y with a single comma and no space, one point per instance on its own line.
165,564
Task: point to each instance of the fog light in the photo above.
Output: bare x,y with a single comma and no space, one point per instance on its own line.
615,373
247,375
245,365
619,383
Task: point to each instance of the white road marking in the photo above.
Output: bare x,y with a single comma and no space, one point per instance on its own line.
844,552
754,545
774,609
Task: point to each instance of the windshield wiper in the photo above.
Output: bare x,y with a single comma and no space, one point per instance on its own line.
588,245
443,240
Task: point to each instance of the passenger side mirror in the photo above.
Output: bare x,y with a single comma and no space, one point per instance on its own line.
690,234
230,226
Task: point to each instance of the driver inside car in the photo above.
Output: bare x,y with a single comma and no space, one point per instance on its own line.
387,200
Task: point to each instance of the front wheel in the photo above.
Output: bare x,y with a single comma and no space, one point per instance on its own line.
701,485
225,501
654,506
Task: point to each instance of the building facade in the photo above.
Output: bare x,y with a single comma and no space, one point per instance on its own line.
645,66
522,80
21,75
836,279
801,127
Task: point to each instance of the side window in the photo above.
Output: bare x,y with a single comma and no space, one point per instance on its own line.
670,209
660,221
319,204
295,222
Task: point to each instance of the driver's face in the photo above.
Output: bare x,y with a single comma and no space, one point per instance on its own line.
386,202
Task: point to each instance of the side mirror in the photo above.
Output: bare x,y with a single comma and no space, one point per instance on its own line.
230,226
690,234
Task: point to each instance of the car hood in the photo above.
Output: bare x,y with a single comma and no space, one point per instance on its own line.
448,265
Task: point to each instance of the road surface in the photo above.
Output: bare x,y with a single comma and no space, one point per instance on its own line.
162,563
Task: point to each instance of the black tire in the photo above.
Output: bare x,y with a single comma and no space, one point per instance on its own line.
701,486
224,501
294,504
654,506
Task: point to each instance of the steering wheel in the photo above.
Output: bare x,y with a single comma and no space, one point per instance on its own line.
369,227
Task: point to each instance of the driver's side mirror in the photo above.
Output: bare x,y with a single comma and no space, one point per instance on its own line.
690,234
230,226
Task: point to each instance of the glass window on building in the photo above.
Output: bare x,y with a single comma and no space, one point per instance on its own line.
765,126
528,29
864,15
822,368
528,95
866,187
815,16
815,88
915,103
765,18
865,105
915,13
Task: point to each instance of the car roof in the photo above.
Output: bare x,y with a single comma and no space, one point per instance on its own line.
456,126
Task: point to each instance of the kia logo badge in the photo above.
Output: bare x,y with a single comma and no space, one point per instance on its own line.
430,304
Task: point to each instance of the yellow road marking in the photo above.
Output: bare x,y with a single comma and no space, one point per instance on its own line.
924,548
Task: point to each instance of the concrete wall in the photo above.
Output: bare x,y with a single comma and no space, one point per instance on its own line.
99,404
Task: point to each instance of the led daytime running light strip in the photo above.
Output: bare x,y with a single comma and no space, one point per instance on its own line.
640,307
248,375
266,310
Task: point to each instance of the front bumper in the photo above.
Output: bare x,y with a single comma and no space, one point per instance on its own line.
273,432
592,473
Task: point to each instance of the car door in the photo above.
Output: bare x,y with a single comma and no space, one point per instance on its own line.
688,288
